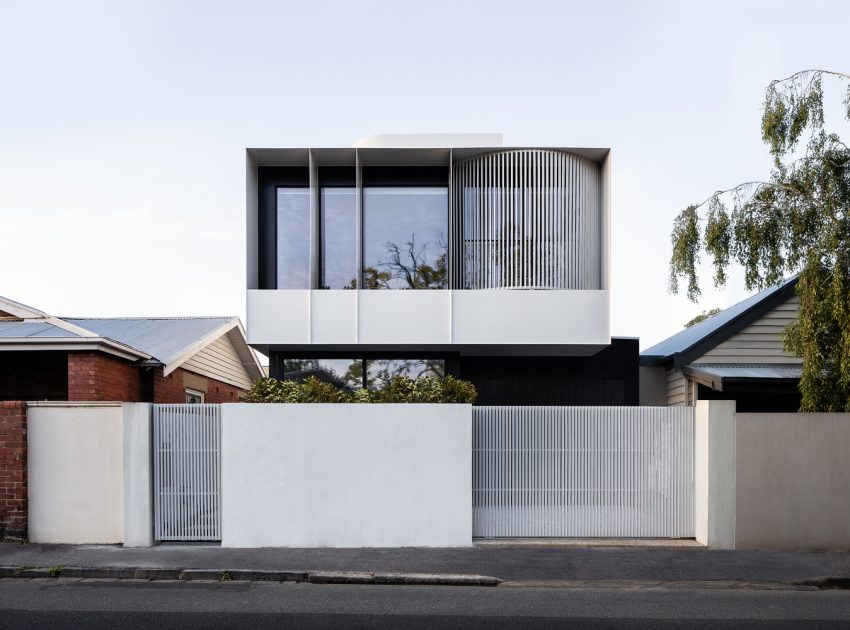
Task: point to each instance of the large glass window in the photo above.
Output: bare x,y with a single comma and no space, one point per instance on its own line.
339,245
354,373
347,373
293,238
404,237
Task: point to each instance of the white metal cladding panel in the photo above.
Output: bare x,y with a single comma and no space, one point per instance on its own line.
526,219
187,472
583,472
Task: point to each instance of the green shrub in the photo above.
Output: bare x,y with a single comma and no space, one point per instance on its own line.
400,389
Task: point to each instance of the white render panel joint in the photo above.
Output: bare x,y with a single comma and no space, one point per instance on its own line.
278,316
333,316
399,317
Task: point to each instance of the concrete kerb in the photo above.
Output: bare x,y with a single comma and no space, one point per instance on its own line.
409,579
227,575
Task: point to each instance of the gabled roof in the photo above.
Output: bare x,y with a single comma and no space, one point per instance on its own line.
16,329
164,339
690,344
169,341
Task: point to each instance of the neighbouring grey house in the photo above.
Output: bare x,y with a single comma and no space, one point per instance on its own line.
735,355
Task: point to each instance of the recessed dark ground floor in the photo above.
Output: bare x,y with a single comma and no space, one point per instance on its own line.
755,398
609,377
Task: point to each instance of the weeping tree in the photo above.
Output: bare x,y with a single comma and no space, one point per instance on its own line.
795,222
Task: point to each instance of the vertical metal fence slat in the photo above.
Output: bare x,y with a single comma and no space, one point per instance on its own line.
187,472
583,472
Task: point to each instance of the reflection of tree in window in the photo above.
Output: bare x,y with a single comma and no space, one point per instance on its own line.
349,373
408,266
404,245
381,371
334,371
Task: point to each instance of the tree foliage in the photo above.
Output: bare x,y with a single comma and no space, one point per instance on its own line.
702,317
795,222
399,389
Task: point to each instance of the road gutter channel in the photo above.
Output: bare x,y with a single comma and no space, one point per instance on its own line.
417,579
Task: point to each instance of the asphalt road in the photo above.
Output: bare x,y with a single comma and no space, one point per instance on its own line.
65,603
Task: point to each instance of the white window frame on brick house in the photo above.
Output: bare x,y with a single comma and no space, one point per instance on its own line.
197,396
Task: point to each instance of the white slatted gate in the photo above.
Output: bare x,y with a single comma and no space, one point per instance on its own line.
187,472
583,472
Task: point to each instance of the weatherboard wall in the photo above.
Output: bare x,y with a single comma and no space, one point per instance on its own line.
220,361
760,342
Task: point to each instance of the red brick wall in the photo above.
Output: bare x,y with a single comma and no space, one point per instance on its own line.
168,389
172,389
218,392
99,376
13,470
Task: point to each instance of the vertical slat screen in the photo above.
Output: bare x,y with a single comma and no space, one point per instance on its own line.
187,472
526,219
607,472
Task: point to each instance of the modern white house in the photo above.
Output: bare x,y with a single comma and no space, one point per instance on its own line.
438,254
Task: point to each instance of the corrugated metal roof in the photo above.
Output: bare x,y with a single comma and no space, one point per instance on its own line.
689,337
18,330
162,338
748,371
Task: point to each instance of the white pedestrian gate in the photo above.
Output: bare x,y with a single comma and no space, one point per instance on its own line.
187,472
583,472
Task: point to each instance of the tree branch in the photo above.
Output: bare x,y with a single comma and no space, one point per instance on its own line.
802,73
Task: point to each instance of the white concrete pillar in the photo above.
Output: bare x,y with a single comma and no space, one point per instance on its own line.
715,473
138,475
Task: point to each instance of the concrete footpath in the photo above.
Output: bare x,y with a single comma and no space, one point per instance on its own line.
522,564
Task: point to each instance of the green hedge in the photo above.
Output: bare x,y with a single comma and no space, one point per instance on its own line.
400,389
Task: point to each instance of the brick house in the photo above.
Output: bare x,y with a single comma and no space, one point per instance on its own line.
129,359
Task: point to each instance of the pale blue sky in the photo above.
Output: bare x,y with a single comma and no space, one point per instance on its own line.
123,124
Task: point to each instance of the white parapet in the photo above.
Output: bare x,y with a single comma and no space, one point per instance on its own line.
404,317
324,475
530,317
440,318
281,316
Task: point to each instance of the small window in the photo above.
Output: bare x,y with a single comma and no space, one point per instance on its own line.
194,397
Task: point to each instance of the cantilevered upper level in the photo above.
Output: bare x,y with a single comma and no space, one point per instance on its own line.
436,242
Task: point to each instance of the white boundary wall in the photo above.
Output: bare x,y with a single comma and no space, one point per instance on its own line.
793,481
76,472
771,480
324,475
